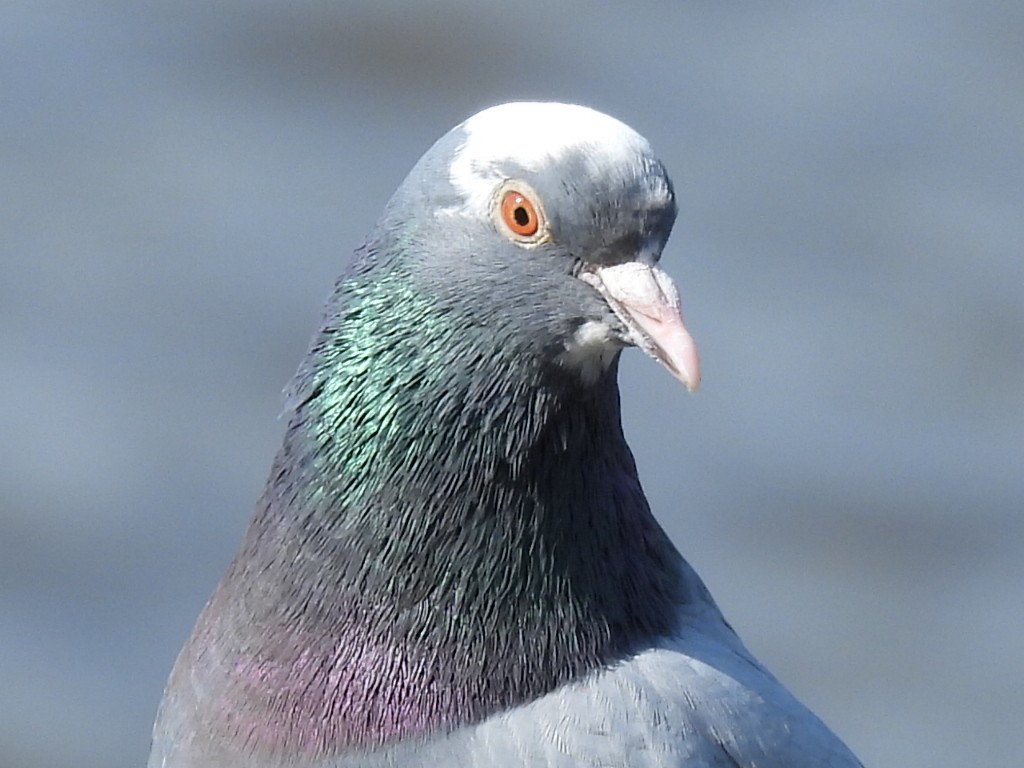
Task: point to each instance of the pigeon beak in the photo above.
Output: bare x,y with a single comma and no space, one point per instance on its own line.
647,302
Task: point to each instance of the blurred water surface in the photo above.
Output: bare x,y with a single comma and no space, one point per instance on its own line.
181,181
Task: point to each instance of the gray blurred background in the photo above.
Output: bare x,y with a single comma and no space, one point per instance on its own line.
181,180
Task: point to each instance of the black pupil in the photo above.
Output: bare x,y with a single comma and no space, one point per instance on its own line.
521,215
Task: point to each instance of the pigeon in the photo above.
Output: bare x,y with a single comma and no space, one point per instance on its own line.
453,562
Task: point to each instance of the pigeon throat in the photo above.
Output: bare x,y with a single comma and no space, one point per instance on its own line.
426,555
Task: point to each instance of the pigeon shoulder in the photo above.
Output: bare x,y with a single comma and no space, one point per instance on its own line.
693,700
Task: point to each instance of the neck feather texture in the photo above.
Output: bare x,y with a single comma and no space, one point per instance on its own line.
442,536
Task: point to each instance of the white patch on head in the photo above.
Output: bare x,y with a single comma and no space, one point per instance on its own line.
591,350
533,135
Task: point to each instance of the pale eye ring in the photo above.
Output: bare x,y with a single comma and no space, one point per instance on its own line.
518,211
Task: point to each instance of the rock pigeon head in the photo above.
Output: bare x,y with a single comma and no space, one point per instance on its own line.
560,211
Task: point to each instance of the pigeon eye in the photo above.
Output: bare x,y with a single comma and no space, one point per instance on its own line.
519,214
